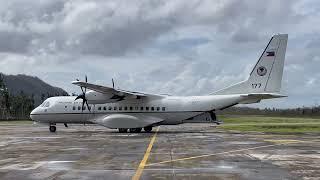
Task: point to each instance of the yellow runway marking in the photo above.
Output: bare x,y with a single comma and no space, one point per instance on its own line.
239,150
143,162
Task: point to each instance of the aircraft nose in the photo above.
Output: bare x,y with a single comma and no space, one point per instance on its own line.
32,114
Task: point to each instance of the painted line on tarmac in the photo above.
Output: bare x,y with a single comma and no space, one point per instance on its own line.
227,152
143,162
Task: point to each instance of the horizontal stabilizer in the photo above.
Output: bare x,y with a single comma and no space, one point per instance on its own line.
257,97
264,95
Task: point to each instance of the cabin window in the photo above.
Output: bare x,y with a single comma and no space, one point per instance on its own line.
125,108
136,108
79,108
64,106
104,108
110,108
99,108
141,108
147,108
152,108
73,108
120,108
163,108
158,108
115,108
131,108
89,107
83,108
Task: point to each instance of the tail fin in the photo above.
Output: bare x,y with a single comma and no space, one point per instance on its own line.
266,75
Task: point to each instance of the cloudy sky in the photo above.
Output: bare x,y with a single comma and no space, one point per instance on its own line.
175,47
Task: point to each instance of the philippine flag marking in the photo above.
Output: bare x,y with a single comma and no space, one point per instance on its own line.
270,53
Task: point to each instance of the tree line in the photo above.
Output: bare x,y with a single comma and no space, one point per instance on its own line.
17,106
300,111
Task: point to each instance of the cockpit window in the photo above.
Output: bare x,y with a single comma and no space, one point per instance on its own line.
45,104
41,105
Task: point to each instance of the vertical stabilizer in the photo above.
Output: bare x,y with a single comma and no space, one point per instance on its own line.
266,75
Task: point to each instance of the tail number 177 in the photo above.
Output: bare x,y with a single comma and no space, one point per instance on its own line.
256,85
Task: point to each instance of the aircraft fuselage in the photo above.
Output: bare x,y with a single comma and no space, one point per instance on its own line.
173,109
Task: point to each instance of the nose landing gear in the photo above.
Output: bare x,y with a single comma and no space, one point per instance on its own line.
52,128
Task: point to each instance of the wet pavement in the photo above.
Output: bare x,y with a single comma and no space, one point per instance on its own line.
189,151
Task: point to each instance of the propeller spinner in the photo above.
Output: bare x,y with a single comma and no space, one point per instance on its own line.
83,96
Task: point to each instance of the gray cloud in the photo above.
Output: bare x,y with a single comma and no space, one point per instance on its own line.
110,28
175,47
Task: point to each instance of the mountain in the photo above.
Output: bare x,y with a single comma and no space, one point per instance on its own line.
31,85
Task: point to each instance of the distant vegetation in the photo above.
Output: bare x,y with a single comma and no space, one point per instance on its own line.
20,94
270,124
290,112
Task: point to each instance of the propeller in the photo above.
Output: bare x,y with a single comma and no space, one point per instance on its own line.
112,83
83,96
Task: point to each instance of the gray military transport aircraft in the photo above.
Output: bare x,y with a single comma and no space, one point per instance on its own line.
126,110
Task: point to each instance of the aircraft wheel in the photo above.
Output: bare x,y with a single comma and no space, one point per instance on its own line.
123,130
52,128
148,129
135,130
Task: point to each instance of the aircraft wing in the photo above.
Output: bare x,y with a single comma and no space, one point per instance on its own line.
114,121
118,93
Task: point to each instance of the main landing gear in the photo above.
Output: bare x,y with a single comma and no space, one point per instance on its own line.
135,130
123,130
52,128
148,129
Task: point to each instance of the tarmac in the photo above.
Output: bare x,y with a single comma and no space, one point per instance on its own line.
188,151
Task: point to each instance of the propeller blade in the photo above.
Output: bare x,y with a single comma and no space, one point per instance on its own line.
83,96
112,83
85,88
82,90
82,105
88,106
79,97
